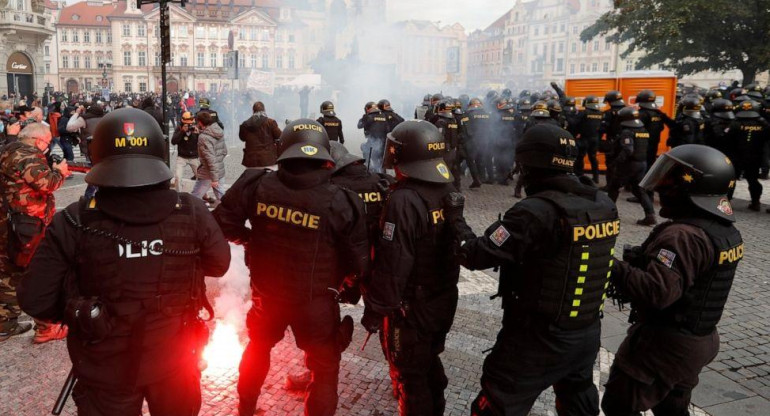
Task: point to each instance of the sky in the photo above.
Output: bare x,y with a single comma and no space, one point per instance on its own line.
472,14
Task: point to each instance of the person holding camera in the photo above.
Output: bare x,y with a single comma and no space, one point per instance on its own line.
27,184
186,140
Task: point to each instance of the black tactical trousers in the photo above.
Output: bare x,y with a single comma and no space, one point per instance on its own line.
178,395
587,147
750,172
457,170
626,396
315,325
652,152
528,358
413,355
504,157
631,173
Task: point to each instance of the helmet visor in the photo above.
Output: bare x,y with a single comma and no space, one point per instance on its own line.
391,148
660,172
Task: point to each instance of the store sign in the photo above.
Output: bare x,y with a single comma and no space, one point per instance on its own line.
18,63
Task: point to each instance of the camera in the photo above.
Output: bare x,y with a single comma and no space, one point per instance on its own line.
53,160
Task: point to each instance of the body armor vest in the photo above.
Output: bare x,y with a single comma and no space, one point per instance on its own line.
105,273
568,288
291,254
700,308
432,287
367,186
653,123
641,139
333,126
591,124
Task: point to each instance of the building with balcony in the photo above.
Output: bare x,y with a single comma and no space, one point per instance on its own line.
25,26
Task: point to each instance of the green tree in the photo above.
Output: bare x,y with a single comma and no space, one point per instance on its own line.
691,36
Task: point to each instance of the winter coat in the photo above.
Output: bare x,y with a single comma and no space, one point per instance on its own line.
212,151
261,134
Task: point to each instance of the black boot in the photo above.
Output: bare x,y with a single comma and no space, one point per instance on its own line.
755,206
649,220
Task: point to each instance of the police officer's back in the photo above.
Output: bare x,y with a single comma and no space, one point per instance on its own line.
555,251
306,236
654,121
414,280
719,133
752,133
678,282
331,122
588,126
129,266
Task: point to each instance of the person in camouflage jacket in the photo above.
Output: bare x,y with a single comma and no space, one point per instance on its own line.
27,185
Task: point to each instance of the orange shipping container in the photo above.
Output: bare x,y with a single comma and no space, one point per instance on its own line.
663,83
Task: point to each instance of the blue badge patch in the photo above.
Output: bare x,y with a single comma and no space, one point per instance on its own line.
388,230
499,236
666,257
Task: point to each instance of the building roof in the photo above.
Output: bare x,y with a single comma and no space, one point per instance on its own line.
500,22
84,14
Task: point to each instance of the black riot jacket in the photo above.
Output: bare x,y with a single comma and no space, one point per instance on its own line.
370,187
144,290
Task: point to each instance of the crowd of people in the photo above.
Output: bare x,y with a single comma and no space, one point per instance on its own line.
322,226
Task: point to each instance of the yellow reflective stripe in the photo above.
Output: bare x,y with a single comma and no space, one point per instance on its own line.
612,262
579,291
584,256
583,267
576,302
573,314
92,203
609,273
581,279
612,251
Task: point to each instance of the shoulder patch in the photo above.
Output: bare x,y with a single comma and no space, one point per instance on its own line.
388,230
499,236
666,257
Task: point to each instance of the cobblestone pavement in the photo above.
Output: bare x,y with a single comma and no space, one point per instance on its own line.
736,383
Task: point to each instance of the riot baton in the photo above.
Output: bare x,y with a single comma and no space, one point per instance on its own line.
66,391
368,335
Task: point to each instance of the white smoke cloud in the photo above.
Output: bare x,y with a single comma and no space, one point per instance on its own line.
232,292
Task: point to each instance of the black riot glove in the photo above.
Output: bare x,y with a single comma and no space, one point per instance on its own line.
633,255
349,292
372,320
454,204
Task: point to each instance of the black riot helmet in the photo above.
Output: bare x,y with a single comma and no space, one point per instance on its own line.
525,104
700,174
491,95
592,102
474,103
502,103
724,109
748,109
570,102
127,151
464,100
341,156
547,147
713,95
304,139
370,106
691,107
524,93
383,105
735,93
754,91
327,108
458,107
540,110
646,99
506,93
426,99
445,108
612,96
629,117
436,98
554,108
417,149
204,103
535,97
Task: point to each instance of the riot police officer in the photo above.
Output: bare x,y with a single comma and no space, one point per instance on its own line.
711,96
422,109
478,139
376,128
629,160
719,134
431,115
555,110
450,131
690,125
654,121
205,107
465,151
588,124
412,295
306,236
125,271
555,252
678,282
393,118
752,134
503,140
331,123
540,115
610,129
